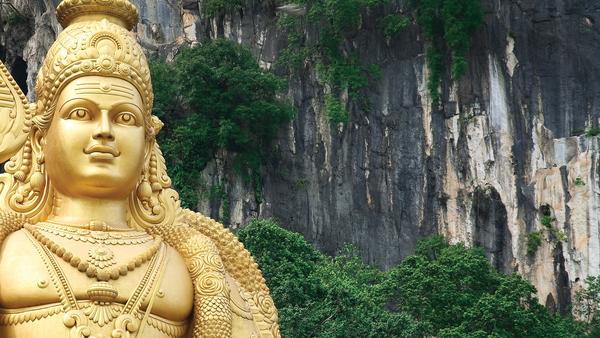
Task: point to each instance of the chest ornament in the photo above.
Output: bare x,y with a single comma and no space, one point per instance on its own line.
102,309
99,257
102,235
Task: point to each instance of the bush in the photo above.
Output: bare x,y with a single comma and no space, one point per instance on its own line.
534,240
592,132
547,221
216,7
394,24
556,234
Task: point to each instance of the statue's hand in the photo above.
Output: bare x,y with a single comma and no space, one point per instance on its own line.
15,115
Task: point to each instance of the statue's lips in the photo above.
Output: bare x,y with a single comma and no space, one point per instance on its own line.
102,152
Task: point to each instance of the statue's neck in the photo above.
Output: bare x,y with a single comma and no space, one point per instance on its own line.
81,211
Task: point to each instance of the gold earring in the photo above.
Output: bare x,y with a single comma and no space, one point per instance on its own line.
153,174
22,173
144,190
38,179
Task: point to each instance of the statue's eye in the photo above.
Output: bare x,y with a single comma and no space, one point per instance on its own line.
80,114
126,118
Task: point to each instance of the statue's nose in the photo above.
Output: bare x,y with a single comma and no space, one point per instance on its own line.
104,128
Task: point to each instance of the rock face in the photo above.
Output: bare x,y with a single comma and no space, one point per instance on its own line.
507,156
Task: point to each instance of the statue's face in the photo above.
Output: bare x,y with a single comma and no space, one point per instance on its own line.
96,143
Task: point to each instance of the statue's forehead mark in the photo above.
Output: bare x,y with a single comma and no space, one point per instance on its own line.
104,88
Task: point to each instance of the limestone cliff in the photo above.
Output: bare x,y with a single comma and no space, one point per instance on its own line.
506,156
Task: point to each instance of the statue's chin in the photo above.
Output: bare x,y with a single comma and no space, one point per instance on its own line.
102,185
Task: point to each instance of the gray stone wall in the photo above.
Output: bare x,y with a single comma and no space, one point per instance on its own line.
507,148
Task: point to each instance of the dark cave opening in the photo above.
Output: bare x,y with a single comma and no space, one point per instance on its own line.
19,73
491,228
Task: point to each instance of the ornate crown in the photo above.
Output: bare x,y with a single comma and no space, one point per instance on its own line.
94,43
68,10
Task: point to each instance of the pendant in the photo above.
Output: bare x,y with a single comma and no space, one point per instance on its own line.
125,326
102,311
101,256
102,292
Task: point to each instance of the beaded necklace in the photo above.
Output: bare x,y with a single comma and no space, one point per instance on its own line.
100,257
129,237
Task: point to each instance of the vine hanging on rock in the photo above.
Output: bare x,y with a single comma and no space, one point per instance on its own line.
448,26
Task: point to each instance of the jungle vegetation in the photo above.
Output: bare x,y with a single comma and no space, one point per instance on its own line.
443,290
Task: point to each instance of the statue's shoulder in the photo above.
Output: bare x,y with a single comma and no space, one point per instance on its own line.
10,222
16,251
250,294
15,240
238,262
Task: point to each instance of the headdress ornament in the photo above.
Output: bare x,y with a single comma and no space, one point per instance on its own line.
96,41
70,10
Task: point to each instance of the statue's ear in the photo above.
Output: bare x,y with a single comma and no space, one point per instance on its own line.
148,150
15,115
38,140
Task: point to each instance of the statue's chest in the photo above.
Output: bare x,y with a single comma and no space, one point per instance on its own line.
31,275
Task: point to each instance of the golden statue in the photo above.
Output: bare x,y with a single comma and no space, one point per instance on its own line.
94,241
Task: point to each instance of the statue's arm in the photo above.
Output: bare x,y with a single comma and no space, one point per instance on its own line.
212,313
227,280
245,279
228,283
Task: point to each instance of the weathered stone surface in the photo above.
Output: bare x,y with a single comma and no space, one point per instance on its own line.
508,146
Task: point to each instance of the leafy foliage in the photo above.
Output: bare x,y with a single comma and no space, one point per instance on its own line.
443,291
320,296
448,25
215,97
394,24
592,132
534,240
547,221
335,111
587,305
339,68
555,233
216,7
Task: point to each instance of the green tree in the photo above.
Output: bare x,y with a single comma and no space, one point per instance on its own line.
440,282
320,296
454,292
216,97
587,305
442,291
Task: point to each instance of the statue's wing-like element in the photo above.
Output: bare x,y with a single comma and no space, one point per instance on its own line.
15,115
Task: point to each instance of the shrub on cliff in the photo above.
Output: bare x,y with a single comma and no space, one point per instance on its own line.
448,26
443,290
215,97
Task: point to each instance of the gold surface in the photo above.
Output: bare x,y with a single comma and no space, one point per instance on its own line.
94,241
